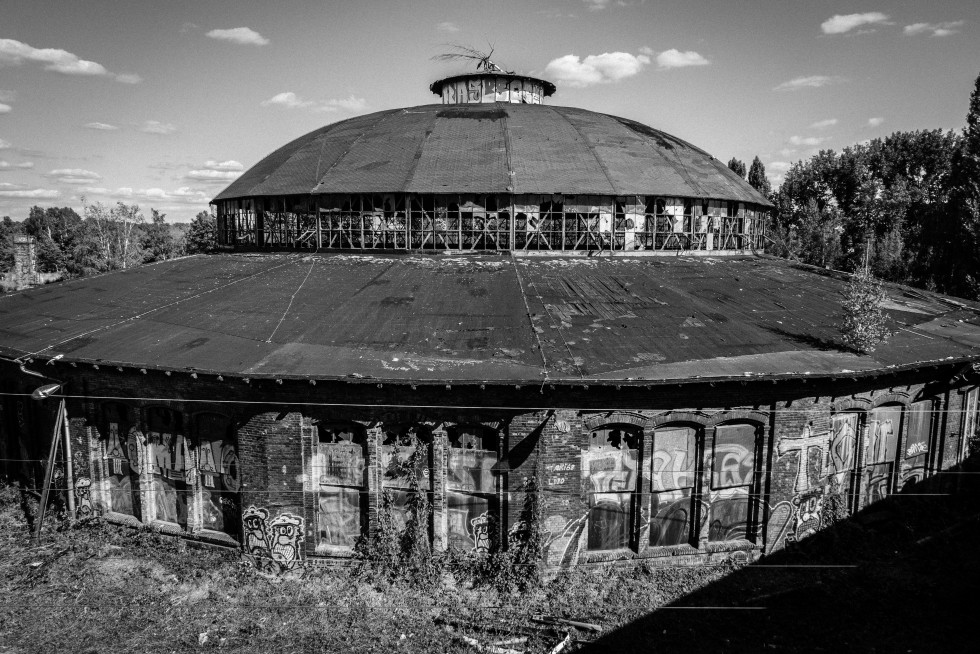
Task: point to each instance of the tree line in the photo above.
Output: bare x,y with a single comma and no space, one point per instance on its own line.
104,238
905,207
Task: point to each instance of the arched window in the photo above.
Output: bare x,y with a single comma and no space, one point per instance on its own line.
880,450
169,460
841,453
609,473
218,473
340,471
400,443
471,488
918,442
120,450
730,494
673,484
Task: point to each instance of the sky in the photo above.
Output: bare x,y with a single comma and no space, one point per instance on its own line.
163,104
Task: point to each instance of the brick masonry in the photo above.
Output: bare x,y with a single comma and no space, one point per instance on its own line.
543,433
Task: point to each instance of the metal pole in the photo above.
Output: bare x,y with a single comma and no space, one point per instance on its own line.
69,463
55,437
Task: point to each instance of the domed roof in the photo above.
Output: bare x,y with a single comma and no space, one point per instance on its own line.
492,148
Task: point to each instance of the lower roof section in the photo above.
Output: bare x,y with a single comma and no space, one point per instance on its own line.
492,318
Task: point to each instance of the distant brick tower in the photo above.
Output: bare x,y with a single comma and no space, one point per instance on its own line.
24,273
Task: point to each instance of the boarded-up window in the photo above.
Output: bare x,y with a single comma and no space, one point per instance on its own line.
917,442
217,466
672,483
843,444
471,487
399,445
884,427
120,450
169,461
732,479
340,474
609,471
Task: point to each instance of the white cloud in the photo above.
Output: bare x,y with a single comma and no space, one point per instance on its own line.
823,124
876,121
840,24
806,140
290,100
813,82
779,166
183,195
674,58
105,127
595,69
24,165
74,175
597,5
212,175
129,78
448,26
34,194
57,60
4,144
156,127
240,35
937,29
231,164
4,108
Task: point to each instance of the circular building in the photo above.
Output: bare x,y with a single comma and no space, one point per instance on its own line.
530,299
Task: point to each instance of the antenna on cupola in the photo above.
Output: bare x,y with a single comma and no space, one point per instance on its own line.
490,82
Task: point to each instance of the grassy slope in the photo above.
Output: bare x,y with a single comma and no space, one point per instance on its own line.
100,588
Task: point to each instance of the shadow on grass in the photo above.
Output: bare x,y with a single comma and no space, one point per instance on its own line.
899,576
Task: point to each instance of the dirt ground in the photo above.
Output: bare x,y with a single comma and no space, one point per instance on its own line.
892,580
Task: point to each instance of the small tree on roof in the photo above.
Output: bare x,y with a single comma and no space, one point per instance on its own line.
864,320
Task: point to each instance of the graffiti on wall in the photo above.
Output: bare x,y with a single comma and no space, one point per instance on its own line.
807,516
272,545
840,454
609,472
83,497
810,462
777,529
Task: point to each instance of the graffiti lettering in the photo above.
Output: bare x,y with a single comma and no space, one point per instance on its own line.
272,545
809,468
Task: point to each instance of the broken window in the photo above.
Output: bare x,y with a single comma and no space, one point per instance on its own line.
673,479
884,426
609,470
218,473
471,487
920,417
400,444
340,475
121,452
733,474
169,462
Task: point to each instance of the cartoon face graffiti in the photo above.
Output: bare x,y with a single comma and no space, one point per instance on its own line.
253,530
808,511
83,503
285,536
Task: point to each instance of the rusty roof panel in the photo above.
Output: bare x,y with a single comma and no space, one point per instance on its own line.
494,318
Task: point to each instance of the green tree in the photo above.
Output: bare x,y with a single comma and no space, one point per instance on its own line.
111,237
158,242
864,320
964,204
737,167
203,234
6,245
757,177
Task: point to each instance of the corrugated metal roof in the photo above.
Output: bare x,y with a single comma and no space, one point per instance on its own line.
487,318
492,148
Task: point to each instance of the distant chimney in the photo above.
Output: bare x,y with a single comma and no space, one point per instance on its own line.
24,273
